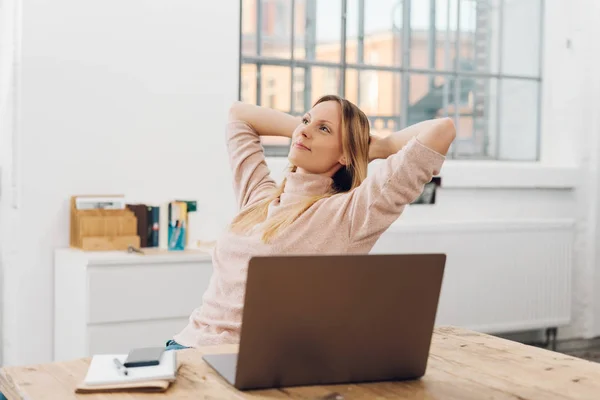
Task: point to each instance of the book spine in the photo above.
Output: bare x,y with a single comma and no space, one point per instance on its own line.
163,231
153,226
139,210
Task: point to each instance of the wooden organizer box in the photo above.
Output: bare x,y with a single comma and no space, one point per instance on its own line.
100,229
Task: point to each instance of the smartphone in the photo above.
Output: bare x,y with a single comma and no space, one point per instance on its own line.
144,357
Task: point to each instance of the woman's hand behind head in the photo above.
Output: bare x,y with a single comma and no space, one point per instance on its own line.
378,148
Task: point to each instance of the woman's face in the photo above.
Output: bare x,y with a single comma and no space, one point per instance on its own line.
317,141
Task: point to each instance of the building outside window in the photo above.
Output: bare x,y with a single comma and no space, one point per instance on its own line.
403,61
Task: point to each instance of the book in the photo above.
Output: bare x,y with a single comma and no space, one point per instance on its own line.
148,386
191,208
141,214
153,227
103,374
163,226
177,225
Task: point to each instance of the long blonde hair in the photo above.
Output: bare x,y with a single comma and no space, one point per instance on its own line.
355,146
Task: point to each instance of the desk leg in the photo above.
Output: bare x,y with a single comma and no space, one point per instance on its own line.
551,338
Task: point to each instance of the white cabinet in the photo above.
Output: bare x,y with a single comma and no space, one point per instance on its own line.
107,302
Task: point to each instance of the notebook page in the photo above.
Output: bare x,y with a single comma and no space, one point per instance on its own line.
103,371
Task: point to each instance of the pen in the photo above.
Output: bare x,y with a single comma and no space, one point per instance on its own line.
120,366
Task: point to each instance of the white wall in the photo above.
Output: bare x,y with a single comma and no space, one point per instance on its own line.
591,187
117,96
7,59
102,79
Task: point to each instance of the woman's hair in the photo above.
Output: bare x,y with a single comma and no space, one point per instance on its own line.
355,146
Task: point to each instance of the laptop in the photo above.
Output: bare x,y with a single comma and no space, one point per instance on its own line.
333,319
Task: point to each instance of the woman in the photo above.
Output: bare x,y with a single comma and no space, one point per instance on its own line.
326,203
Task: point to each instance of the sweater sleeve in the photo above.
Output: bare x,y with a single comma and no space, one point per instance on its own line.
399,181
251,176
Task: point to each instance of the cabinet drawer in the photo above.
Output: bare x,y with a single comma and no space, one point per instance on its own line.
145,292
121,337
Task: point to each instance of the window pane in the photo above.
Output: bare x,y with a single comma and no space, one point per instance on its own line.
275,93
311,83
477,123
424,31
298,92
382,24
248,88
318,30
470,37
479,40
322,81
276,29
429,96
521,37
275,87
352,21
249,23
446,12
300,28
471,104
519,104
377,93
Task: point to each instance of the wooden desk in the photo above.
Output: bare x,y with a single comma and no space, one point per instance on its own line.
463,365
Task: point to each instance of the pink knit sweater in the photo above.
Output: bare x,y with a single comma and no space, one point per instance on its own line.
344,223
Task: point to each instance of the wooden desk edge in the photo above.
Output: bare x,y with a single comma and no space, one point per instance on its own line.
10,387
7,385
10,390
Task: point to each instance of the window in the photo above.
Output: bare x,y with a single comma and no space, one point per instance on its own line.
403,61
298,92
271,94
369,88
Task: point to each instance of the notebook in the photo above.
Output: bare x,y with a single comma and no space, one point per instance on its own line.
103,375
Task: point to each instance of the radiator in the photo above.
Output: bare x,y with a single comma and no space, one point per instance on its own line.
500,276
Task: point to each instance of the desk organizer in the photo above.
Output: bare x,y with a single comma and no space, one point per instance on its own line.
102,229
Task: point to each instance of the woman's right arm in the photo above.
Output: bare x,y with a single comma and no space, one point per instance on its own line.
252,180
265,121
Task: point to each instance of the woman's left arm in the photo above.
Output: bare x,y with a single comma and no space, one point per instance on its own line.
412,157
437,134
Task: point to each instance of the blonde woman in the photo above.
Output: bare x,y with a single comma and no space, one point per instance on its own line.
325,204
